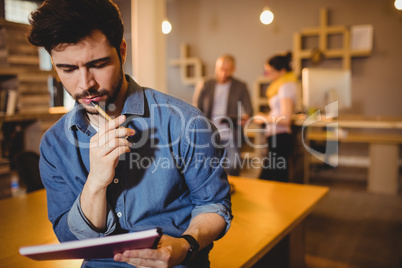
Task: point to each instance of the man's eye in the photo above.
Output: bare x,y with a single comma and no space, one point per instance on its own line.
68,70
100,65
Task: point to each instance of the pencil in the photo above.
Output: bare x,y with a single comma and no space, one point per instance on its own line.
104,114
101,111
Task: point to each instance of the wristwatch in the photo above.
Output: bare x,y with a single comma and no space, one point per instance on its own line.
192,251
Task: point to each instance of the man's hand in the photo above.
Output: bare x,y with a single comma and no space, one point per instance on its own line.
170,252
244,119
106,147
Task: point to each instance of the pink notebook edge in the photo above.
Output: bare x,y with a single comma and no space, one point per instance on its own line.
91,248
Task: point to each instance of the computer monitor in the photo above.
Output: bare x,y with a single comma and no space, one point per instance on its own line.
323,86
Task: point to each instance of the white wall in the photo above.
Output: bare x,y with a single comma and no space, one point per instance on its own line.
213,27
146,55
149,52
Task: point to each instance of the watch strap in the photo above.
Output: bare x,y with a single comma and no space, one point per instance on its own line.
192,251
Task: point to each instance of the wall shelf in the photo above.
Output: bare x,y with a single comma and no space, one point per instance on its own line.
324,32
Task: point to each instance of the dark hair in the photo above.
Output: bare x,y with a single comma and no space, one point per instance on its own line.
58,22
280,62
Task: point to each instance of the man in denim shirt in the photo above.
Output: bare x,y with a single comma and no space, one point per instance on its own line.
156,163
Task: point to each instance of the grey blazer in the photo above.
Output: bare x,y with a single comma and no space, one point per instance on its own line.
204,100
237,93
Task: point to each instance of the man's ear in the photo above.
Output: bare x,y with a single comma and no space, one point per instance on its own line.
123,51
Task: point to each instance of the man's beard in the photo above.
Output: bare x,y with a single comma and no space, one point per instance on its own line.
111,96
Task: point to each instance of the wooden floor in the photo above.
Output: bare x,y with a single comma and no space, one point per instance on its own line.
351,228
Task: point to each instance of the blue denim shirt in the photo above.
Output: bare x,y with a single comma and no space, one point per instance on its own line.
172,173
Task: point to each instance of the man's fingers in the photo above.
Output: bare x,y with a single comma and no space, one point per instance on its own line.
119,133
104,139
116,122
110,125
143,257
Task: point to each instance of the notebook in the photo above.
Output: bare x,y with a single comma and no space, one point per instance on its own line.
95,248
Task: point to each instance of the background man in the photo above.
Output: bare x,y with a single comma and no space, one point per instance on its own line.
226,101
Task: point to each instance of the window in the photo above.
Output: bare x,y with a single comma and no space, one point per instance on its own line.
19,10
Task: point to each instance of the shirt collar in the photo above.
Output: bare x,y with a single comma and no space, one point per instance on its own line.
133,105
135,101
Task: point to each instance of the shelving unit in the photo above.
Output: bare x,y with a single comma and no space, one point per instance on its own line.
14,48
260,100
20,72
324,33
254,133
24,95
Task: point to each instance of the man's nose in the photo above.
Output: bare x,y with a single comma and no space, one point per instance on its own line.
87,80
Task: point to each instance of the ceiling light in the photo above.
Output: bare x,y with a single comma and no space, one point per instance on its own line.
398,4
266,16
166,27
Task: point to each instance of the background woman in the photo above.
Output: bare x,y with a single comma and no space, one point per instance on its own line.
282,95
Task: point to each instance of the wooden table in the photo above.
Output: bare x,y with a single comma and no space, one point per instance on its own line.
264,213
352,121
384,145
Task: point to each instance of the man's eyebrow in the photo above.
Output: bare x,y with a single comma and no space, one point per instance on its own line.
89,63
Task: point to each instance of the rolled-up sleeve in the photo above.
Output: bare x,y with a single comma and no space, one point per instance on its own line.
220,209
82,228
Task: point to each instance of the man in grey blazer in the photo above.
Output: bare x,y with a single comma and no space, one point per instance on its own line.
225,100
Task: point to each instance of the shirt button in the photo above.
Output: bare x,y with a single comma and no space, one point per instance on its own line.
119,214
116,180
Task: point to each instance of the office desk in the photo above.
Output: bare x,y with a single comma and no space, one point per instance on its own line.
264,213
384,146
352,121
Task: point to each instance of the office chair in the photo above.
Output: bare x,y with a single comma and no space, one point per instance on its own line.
27,166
